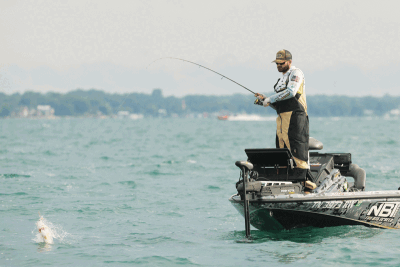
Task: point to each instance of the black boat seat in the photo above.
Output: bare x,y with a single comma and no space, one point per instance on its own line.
244,164
314,144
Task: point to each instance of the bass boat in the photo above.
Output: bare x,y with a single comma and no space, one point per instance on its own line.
272,197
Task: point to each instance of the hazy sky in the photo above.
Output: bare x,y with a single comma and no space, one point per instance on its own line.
343,47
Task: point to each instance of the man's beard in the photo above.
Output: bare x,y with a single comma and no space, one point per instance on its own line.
284,68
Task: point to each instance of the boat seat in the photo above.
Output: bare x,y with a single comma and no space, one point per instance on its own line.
314,144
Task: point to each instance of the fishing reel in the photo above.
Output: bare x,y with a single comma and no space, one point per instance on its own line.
258,101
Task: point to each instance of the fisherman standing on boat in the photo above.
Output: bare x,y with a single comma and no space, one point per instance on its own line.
289,101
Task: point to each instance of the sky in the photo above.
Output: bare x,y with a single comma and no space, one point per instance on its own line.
343,47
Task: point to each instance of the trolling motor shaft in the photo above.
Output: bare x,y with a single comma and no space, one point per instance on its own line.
246,206
245,166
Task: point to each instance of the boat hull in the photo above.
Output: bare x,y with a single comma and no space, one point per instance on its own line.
364,208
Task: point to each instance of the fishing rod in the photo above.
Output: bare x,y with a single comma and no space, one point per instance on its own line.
205,68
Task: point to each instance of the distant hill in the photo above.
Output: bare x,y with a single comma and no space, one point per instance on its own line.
80,103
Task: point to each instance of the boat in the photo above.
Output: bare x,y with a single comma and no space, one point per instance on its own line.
246,117
271,196
223,117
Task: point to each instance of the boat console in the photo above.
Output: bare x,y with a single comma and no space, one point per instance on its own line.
270,164
272,171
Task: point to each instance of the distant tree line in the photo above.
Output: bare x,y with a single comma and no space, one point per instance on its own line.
80,102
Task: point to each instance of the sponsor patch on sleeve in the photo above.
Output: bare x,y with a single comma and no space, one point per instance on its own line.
295,78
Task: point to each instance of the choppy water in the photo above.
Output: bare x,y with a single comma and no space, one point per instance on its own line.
155,193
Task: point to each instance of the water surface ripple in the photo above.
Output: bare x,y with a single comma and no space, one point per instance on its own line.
155,192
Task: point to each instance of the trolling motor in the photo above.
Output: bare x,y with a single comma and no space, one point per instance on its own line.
245,167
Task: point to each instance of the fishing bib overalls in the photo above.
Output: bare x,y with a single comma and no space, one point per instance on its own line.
292,122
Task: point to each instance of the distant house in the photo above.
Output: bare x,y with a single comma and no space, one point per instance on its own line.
45,111
136,116
123,114
24,112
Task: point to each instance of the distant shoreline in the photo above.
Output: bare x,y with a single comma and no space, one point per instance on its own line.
96,103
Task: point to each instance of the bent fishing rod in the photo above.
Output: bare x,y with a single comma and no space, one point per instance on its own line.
205,68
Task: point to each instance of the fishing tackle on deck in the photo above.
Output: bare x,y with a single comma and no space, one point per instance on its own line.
223,76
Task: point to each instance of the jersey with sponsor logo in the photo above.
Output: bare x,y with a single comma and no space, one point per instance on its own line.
292,83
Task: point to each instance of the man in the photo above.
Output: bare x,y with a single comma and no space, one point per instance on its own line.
289,101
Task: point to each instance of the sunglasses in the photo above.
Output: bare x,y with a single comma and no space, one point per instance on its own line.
280,64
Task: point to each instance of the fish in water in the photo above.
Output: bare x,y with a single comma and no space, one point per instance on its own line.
45,232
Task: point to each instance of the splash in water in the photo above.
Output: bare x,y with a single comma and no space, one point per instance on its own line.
47,232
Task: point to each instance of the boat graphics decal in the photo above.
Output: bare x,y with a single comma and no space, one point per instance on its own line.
373,212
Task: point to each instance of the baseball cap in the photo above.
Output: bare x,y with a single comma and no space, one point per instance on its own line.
282,56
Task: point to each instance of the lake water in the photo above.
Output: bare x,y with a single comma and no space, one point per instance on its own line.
154,192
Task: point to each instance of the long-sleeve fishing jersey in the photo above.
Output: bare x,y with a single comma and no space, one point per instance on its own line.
289,101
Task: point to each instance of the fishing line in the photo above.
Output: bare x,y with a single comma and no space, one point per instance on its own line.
205,68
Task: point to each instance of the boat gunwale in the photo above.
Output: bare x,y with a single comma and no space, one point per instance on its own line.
326,197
